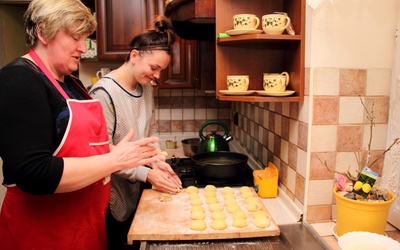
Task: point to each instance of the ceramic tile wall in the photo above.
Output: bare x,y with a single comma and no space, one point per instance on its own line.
183,111
281,132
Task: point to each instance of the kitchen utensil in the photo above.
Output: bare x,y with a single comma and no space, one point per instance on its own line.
237,82
214,142
245,21
266,181
190,146
221,165
275,82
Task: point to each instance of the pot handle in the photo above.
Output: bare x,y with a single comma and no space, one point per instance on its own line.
227,136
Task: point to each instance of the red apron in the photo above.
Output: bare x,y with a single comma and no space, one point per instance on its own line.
74,220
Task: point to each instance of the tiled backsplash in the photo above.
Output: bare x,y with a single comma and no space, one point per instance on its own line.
330,124
185,110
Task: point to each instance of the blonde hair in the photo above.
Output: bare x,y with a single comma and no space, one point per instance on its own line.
51,16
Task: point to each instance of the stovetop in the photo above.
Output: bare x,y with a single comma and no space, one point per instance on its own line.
190,174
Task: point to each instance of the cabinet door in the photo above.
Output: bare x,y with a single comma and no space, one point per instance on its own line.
119,21
182,71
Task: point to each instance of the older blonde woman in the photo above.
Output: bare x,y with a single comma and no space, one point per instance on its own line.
54,144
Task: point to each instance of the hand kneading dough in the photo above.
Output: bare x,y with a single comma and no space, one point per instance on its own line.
198,215
239,222
252,207
196,201
198,225
211,200
210,188
261,222
197,208
215,207
192,189
218,224
219,215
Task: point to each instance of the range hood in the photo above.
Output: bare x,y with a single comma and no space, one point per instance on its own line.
192,19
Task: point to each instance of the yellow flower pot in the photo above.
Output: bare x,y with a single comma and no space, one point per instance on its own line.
353,215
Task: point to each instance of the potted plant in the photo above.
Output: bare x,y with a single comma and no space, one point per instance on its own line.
360,205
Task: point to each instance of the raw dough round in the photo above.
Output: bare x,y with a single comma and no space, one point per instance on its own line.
255,206
218,224
239,214
193,196
232,208
219,215
229,197
239,222
251,200
211,200
210,188
192,189
198,215
216,207
196,201
244,189
227,190
197,208
260,213
246,195
198,225
210,194
230,202
261,222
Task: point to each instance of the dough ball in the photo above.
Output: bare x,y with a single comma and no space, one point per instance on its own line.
252,207
244,189
197,208
227,190
196,201
192,189
198,215
219,215
211,200
215,207
261,222
239,214
218,224
229,202
210,194
229,197
252,200
198,225
193,196
233,208
210,188
260,213
239,223
246,195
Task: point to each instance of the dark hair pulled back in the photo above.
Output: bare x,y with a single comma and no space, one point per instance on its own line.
162,37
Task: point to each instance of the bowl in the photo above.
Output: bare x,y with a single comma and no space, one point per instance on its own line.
190,146
367,241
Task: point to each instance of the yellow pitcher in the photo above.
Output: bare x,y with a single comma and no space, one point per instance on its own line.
266,181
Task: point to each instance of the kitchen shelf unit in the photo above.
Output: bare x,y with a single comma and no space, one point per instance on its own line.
256,54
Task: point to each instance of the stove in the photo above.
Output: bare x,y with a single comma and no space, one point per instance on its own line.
190,174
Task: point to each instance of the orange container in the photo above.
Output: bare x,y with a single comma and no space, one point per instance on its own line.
266,181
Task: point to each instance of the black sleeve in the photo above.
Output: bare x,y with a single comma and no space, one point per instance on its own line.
27,110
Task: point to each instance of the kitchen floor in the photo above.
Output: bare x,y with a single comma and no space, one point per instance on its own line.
325,230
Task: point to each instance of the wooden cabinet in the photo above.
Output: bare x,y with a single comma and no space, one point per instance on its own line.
119,21
256,54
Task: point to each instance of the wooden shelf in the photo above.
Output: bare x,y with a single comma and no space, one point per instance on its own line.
258,98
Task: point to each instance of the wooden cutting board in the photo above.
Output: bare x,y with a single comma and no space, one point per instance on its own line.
155,220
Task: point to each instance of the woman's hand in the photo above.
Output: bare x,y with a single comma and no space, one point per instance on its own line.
129,154
164,181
